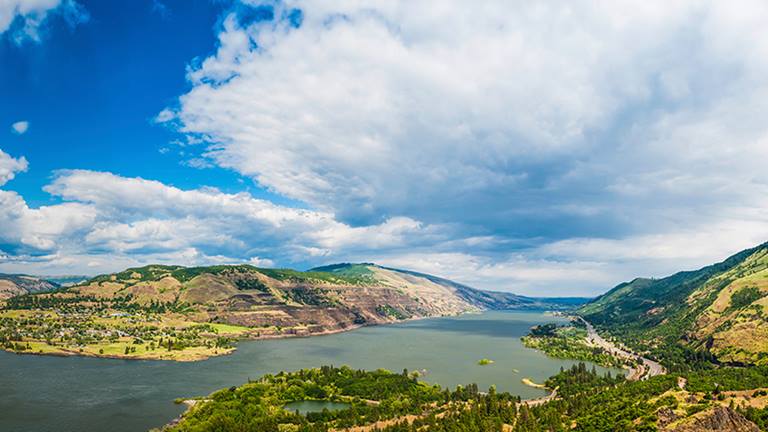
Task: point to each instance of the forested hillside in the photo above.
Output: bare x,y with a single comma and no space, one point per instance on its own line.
715,314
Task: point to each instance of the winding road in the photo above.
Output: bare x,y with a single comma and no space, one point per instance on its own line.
648,368
542,400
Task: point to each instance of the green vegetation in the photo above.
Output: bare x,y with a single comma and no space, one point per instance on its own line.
387,402
184,274
358,271
692,319
728,379
745,297
484,362
392,312
257,406
568,342
117,327
696,323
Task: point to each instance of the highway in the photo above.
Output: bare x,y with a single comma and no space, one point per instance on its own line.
648,368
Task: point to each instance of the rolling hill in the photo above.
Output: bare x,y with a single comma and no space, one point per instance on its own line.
192,313
323,299
15,284
717,313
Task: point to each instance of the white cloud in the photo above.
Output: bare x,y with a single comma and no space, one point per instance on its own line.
10,166
261,262
134,219
109,222
539,147
488,116
596,144
24,18
20,127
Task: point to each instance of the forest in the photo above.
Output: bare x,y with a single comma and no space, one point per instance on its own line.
399,402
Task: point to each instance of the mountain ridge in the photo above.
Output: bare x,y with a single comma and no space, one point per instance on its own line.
19,284
197,310
717,313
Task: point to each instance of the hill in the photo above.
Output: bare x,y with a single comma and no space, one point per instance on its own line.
195,312
718,313
482,299
318,300
17,284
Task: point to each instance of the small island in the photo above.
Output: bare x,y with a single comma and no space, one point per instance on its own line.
485,362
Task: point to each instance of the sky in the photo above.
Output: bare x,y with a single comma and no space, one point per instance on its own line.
545,148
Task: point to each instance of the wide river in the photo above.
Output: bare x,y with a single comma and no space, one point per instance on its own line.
40,393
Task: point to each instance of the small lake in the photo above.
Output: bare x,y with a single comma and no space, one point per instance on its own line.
311,406
82,394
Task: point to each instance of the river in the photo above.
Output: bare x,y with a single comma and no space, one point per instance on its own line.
39,393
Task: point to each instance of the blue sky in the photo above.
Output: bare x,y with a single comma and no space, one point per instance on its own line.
91,92
547,149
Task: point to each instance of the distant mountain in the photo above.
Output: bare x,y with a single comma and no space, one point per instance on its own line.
17,284
478,298
719,312
66,280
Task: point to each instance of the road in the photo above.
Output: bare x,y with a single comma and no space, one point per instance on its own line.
648,368
540,401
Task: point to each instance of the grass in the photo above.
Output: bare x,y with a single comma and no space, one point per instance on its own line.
140,335
117,350
230,329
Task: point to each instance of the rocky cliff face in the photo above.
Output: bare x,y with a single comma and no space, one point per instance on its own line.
279,302
718,419
13,285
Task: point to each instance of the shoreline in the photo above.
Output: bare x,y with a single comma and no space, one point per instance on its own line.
530,383
249,336
61,352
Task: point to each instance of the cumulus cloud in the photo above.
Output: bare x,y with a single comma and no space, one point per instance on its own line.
539,147
10,166
135,220
20,127
23,19
488,116
108,222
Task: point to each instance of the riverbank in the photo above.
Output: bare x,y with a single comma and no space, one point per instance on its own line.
644,369
585,344
130,348
568,342
369,398
93,392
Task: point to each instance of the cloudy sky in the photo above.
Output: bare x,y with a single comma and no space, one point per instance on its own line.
545,148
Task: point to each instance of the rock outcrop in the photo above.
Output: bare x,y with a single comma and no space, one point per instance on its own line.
718,419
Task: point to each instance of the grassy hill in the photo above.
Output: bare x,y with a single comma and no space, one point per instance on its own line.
717,313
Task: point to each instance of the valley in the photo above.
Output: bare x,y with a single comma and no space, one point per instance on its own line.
18,284
187,314
87,394
691,346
